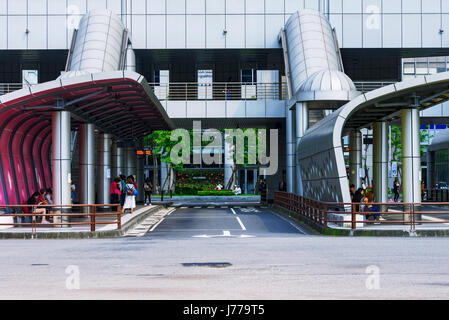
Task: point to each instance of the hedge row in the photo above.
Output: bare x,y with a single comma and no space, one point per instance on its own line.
216,193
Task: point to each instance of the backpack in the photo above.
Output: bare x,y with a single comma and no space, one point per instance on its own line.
130,191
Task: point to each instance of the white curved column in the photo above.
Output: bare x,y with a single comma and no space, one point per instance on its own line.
355,158
291,142
411,157
86,186
104,172
61,161
228,161
302,124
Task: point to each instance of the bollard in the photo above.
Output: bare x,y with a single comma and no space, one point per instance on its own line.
93,218
119,218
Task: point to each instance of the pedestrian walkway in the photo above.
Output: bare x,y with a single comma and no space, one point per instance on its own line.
83,231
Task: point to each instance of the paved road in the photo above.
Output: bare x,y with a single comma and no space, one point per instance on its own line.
224,222
278,262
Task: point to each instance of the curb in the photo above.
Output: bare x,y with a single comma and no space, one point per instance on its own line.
320,230
83,234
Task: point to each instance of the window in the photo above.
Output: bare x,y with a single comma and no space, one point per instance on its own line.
409,68
248,76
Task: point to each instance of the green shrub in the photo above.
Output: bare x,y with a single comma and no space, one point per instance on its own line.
216,193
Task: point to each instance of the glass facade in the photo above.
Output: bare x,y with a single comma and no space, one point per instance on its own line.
413,67
442,166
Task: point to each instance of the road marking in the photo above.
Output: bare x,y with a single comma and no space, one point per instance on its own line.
142,228
154,227
226,233
291,223
240,222
233,211
249,210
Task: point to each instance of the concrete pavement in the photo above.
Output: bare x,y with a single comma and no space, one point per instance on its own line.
277,262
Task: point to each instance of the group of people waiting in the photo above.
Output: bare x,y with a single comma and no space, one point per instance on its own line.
39,198
364,202
124,191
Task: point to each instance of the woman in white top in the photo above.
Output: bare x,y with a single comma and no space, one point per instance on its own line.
130,198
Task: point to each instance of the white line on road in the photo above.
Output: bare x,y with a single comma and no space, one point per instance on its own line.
240,222
226,233
233,211
291,223
154,227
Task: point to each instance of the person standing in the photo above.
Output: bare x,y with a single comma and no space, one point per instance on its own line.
282,185
363,185
351,191
130,195
72,188
396,187
122,189
148,187
115,190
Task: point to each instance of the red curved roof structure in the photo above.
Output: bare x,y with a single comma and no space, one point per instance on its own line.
120,103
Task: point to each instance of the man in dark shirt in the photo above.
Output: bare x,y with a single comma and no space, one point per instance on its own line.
282,185
351,190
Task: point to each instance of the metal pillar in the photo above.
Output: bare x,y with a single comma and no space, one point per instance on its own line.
246,181
120,160
228,162
302,124
131,162
355,158
255,180
430,157
380,161
164,181
289,132
140,177
104,172
411,158
61,162
114,172
87,163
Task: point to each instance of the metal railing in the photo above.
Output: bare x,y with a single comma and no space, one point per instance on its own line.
351,215
9,87
219,91
366,86
61,215
435,195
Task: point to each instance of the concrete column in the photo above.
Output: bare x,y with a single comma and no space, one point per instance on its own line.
104,172
120,159
61,162
291,142
228,162
164,184
245,190
430,157
380,161
411,158
86,186
355,158
130,161
302,124
114,172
